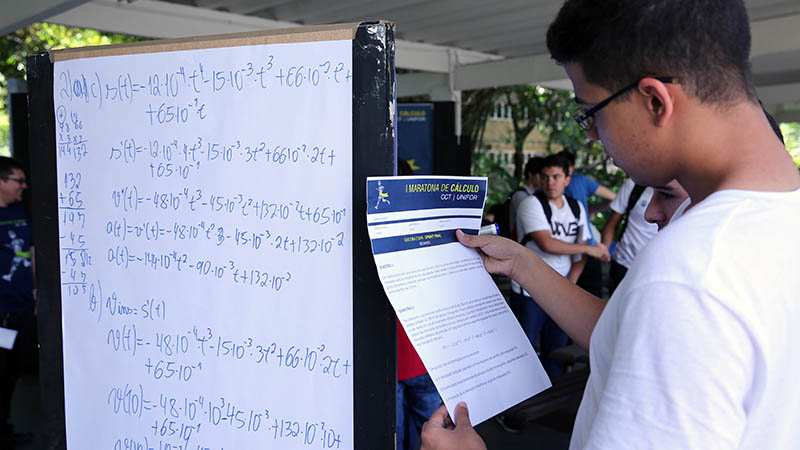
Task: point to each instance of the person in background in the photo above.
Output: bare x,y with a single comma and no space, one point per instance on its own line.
417,397
581,188
555,227
630,205
531,184
17,304
667,200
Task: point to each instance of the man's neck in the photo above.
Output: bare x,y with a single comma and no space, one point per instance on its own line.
558,202
742,153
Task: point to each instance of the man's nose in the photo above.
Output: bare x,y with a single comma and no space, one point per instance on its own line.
653,212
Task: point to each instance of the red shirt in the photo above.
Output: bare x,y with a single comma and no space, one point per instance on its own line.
408,363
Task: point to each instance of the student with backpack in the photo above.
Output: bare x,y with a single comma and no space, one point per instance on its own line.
555,227
629,205
506,218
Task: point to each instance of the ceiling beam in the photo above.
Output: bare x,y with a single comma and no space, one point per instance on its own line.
538,69
406,16
302,9
371,10
435,58
779,93
508,21
783,116
464,15
239,6
156,19
775,35
772,9
24,13
526,38
167,20
492,26
436,85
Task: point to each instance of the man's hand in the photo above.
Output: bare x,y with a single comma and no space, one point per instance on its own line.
600,252
499,254
438,433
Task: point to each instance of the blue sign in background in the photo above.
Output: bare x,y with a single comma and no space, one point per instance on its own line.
415,136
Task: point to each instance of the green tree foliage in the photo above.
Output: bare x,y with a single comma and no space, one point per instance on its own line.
549,111
476,108
42,37
37,38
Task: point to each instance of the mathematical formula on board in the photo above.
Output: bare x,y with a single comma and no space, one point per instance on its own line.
195,82
205,217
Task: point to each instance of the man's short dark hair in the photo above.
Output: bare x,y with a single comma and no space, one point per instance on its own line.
705,44
534,165
557,160
7,166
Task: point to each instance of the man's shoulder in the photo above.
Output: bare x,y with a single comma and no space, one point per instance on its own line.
519,194
531,204
582,178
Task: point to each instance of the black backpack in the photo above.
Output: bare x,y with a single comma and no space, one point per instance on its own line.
548,212
501,215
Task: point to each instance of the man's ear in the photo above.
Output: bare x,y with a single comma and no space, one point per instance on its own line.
660,102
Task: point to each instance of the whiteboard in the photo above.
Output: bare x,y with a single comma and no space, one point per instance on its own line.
205,230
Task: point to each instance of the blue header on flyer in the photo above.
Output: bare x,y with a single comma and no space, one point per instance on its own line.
398,194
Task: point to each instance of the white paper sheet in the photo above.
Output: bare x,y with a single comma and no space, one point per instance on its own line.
454,315
7,338
205,203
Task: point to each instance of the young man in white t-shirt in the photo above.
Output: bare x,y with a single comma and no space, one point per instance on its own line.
636,232
558,235
697,347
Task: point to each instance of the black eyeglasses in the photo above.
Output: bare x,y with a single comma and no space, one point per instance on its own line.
18,180
585,118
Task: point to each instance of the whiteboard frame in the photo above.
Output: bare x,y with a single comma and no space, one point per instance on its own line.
374,154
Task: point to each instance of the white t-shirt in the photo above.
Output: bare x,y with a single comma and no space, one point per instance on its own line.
698,347
639,231
564,226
